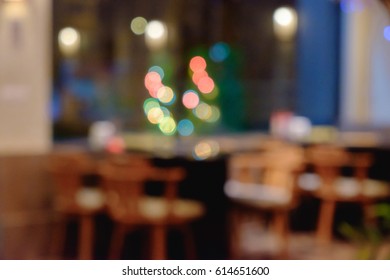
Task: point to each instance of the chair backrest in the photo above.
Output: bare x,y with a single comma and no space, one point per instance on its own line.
125,185
66,170
273,168
328,162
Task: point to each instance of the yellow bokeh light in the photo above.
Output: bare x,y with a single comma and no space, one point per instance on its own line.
138,25
206,149
149,104
165,94
155,115
167,126
215,115
203,111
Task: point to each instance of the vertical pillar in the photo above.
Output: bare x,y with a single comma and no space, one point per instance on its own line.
318,60
25,78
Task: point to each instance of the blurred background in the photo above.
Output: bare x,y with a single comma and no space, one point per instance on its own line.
189,83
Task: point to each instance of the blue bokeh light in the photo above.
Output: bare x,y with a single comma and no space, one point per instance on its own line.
185,127
219,52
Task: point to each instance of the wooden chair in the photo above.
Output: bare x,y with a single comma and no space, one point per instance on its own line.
265,182
331,187
130,207
72,199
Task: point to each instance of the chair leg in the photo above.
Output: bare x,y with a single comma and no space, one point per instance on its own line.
235,220
117,242
58,238
189,242
159,250
86,238
325,221
369,214
281,227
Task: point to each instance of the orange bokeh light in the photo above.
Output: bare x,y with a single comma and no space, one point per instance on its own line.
197,64
153,83
206,85
199,75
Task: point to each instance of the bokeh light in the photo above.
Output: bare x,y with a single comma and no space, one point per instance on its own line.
203,111
206,149
153,83
285,23
149,104
206,85
69,40
283,16
138,25
158,70
165,95
199,75
299,128
166,111
116,145
190,99
155,115
215,115
219,52
386,33
185,127
167,126
197,64
155,29
156,35
69,36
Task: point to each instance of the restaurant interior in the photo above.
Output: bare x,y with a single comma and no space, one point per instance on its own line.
194,129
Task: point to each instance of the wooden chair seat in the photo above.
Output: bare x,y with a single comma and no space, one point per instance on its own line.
156,210
346,188
258,195
86,201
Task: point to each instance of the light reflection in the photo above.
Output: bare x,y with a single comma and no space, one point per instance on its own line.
138,25
185,127
190,99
